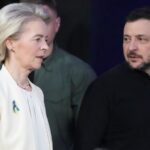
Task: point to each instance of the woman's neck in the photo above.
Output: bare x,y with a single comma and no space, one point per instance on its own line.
20,75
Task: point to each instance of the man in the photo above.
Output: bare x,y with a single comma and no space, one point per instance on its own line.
63,79
115,113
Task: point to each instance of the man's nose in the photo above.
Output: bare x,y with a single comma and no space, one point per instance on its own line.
133,45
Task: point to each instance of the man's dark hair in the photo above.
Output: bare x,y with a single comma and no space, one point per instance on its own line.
139,13
50,3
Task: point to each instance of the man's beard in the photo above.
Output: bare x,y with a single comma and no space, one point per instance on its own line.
143,67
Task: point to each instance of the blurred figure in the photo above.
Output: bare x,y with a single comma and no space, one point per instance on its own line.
63,79
115,110
74,34
23,44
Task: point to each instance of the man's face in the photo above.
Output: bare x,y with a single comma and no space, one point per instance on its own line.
136,44
53,26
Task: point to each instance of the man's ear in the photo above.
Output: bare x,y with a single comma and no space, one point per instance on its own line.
58,21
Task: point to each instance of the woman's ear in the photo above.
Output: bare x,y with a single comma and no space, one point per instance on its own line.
9,44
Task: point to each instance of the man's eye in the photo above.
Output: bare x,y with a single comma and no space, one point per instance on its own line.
46,40
125,39
143,40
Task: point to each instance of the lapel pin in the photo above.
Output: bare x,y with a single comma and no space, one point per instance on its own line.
15,107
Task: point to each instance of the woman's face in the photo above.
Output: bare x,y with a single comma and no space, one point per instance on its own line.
29,49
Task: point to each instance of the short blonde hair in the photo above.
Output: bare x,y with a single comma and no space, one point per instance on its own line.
12,18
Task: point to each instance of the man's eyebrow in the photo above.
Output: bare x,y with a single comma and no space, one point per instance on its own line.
126,35
141,35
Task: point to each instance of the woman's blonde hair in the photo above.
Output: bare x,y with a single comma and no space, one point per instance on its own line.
12,18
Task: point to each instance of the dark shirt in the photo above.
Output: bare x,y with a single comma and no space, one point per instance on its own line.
115,113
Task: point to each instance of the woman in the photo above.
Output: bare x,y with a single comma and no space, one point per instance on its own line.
23,44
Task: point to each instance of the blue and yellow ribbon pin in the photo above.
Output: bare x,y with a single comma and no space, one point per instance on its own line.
15,107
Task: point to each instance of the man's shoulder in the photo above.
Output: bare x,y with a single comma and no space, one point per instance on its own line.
68,56
120,68
71,60
115,74
73,64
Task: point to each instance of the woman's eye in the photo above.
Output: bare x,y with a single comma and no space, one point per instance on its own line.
38,39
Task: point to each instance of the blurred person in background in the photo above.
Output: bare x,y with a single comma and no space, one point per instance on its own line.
63,79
